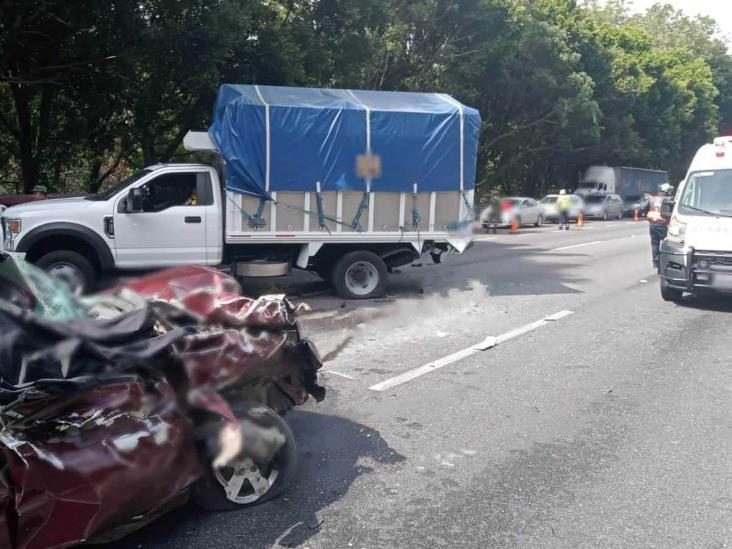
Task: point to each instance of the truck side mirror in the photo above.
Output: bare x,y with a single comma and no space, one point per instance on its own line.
667,208
134,201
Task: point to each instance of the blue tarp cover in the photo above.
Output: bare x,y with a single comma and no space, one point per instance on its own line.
287,139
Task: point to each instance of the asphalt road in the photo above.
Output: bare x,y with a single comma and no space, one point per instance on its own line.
606,426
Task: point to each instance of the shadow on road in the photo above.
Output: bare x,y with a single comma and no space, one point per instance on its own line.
516,269
333,453
708,302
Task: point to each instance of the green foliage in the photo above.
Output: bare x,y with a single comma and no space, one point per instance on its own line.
91,89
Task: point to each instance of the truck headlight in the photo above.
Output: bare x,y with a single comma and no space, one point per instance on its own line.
676,230
14,226
11,227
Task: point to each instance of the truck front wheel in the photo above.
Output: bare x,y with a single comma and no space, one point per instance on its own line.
360,275
70,267
670,294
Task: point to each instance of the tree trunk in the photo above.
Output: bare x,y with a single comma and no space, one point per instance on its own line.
31,139
29,165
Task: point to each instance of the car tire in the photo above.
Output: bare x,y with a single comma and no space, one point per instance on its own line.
72,268
668,293
360,275
539,221
209,492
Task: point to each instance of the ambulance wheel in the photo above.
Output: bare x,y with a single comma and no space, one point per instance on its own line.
670,294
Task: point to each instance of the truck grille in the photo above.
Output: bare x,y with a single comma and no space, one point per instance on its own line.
721,259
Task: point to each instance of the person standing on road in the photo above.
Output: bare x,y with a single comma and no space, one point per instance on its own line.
563,206
494,213
658,226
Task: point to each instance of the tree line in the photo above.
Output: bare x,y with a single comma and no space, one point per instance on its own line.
93,89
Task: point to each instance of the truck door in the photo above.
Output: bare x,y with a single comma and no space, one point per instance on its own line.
170,229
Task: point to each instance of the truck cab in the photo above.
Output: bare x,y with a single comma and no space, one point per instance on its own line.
162,216
697,254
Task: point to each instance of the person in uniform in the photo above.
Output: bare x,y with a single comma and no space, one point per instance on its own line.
658,226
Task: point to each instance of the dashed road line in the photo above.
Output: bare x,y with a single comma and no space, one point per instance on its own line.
488,343
596,242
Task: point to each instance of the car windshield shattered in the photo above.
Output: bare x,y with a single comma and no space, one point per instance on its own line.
708,193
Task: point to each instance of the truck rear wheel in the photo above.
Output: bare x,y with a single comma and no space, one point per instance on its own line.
360,275
70,267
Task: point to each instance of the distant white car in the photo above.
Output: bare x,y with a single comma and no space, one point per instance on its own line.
551,213
526,211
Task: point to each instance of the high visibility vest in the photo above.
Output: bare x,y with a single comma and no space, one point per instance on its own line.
564,203
654,209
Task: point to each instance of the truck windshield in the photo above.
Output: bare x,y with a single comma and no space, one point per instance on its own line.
708,193
587,185
114,189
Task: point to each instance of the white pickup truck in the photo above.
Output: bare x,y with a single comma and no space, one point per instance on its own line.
176,214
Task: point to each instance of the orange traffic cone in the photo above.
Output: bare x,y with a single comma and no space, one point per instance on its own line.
635,214
514,226
580,220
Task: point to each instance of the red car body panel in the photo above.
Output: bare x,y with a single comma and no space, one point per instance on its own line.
10,200
90,466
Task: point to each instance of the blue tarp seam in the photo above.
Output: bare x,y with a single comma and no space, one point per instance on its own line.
267,139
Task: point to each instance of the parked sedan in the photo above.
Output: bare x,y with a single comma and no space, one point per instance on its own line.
551,213
640,202
526,211
604,206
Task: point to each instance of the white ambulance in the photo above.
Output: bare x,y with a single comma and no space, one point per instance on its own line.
697,254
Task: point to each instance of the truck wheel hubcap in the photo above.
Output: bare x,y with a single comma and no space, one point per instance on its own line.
70,274
362,278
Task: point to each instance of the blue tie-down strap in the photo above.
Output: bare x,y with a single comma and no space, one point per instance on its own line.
256,221
253,221
468,207
356,224
321,214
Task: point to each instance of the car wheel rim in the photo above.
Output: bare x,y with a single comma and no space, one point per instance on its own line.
244,482
70,275
362,278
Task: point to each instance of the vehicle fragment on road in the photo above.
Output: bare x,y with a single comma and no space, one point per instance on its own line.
116,408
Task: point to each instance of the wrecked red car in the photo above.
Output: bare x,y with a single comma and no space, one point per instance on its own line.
115,408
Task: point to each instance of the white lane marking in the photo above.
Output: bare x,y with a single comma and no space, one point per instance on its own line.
485,238
580,228
338,374
579,245
488,343
559,316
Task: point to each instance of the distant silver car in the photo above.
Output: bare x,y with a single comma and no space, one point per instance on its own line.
551,213
604,206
